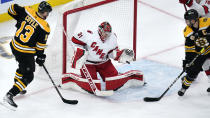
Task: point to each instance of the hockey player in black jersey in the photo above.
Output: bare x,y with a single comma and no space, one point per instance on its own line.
29,42
197,39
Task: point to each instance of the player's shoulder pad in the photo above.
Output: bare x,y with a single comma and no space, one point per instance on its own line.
187,31
43,24
204,22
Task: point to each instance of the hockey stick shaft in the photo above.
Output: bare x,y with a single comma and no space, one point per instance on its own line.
150,99
64,100
92,84
89,78
185,7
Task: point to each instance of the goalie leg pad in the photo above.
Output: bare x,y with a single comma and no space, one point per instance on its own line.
81,82
116,82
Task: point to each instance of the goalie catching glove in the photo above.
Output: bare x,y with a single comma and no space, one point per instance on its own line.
124,56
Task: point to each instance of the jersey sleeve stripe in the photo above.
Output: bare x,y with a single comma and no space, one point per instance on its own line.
40,46
23,46
76,41
19,48
11,10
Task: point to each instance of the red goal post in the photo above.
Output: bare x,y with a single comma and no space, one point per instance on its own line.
66,37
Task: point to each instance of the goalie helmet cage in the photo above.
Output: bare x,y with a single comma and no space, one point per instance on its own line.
127,12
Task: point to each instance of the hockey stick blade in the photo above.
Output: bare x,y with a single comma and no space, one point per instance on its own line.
70,101
149,99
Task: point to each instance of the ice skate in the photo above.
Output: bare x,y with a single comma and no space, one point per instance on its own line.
181,91
8,102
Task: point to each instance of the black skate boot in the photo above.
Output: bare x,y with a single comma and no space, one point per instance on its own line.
181,91
8,101
23,92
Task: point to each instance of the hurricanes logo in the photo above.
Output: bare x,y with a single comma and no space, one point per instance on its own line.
202,42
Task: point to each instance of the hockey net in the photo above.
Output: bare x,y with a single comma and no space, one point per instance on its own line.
119,13
88,14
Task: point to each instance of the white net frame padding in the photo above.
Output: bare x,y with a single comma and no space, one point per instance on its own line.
82,15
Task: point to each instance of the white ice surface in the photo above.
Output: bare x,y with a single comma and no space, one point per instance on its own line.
160,53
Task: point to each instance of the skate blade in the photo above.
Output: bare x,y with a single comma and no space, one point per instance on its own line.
8,106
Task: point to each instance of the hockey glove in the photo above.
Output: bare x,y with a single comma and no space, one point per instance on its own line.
186,66
40,59
126,56
187,2
129,52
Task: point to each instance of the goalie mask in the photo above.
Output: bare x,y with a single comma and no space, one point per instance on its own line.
104,30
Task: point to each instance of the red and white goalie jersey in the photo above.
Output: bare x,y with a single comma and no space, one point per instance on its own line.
98,50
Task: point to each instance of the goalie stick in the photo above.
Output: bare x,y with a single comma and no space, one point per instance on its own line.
64,100
153,99
93,86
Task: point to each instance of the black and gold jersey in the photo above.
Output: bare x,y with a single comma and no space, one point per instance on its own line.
197,39
32,31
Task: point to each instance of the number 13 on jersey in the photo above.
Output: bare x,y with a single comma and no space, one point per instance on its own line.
24,37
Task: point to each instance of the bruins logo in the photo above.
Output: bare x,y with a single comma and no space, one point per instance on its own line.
202,42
